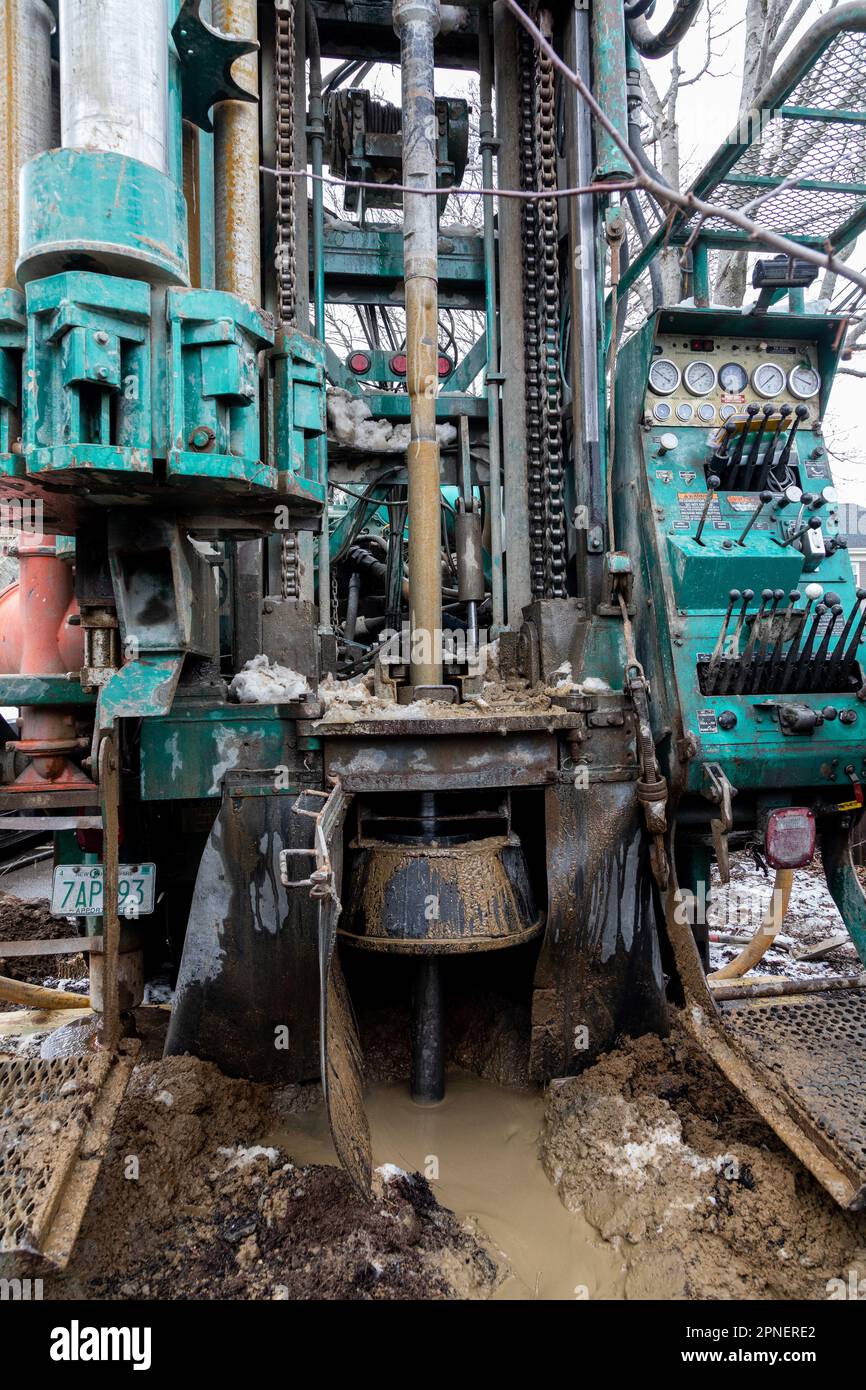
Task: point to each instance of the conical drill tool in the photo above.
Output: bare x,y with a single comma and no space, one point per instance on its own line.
776,658
748,654
813,592
839,649
712,669
799,416
748,595
755,451
804,661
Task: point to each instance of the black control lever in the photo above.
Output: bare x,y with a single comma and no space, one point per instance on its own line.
764,501
838,650
737,456
813,524
835,608
813,592
805,658
733,598
754,452
776,658
851,654
767,463
799,416
746,662
748,595
712,483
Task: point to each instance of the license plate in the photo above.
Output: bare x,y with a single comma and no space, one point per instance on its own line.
78,888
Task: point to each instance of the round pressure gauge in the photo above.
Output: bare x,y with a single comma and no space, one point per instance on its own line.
664,377
726,411
769,380
707,413
804,383
662,411
685,412
700,378
733,378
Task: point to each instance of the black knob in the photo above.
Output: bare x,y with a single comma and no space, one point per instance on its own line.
848,716
727,719
829,712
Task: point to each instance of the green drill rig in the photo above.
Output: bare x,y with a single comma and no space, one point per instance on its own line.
462,651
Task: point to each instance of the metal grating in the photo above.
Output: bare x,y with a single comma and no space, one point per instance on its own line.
815,1047
797,212
46,1107
832,151
837,82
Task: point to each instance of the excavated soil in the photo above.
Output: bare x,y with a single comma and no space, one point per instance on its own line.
31,921
667,1162
191,1205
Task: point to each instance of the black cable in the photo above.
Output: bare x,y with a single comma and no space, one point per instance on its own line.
645,236
650,45
635,8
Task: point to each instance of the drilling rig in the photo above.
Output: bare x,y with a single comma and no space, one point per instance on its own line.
453,653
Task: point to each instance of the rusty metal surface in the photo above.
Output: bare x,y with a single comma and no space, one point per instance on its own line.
55,1120
236,164
815,1048
27,121
599,971
387,763
800,1061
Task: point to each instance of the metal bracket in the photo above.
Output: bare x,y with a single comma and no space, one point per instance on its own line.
206,59
720,791
327,816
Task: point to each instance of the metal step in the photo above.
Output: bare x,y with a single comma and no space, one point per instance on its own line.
55,1120
815,1047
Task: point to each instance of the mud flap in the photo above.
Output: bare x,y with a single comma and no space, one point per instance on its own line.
249,975
340,1049
599,972
799,1060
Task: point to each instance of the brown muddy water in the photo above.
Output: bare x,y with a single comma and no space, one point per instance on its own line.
479,1151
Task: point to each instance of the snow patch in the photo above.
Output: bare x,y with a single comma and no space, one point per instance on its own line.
260,683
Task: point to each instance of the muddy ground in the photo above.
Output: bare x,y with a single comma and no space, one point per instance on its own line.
661,1159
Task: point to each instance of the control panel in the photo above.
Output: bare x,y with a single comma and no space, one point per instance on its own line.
703,381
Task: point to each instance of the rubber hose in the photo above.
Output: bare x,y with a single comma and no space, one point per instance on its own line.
38,997
650,45
765,934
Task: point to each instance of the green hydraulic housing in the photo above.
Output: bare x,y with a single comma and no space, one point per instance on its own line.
683,580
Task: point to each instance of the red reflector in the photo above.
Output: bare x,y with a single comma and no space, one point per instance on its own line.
445,366
399,364
359,362
790,838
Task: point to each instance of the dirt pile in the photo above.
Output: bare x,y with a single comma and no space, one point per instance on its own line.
192,1204
667,1161
31,921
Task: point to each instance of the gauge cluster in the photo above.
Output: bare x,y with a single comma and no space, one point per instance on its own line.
705,381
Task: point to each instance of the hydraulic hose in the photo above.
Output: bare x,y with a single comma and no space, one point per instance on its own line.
765,934
634,9
650,45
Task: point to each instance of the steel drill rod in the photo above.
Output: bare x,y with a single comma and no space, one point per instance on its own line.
748,654
733,598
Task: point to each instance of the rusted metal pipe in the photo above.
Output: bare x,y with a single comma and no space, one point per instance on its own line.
236,165
27,125
783,988
416,23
